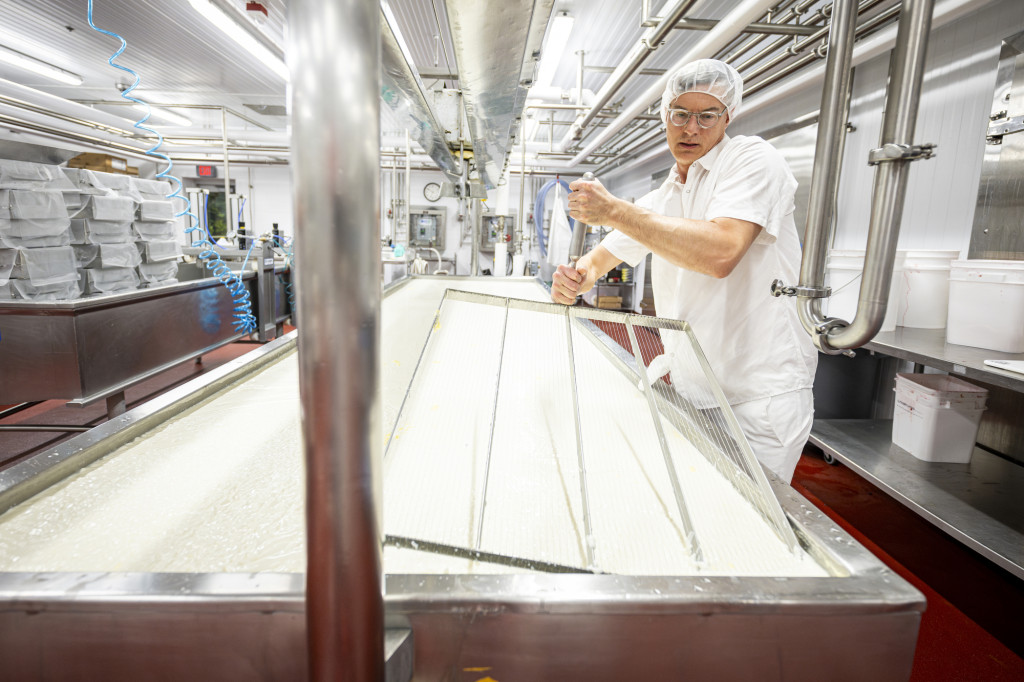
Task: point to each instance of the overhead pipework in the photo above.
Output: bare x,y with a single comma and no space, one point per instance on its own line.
495,74
403,93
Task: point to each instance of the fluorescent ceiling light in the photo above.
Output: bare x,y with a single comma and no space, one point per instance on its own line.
34,65
553,49
234,30
164,114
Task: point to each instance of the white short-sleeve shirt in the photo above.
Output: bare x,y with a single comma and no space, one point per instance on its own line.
753,341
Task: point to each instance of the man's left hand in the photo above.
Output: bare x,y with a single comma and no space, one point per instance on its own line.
591,203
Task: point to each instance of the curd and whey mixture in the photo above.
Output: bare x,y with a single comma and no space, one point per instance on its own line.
220,488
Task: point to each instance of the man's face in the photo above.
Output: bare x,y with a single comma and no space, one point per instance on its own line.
690,142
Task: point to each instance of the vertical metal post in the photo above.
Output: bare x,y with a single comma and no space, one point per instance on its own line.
474,231
522,191
335,159
408,189
228,229
579,78
835,111
252,202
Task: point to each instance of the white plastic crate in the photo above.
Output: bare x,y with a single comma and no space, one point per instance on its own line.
986,305
924,288
936,417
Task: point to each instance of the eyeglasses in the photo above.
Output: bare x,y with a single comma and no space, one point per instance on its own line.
705,119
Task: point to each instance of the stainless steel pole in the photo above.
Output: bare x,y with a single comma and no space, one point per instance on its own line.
474,231
227,173
408,189
835,111
522,205
335,161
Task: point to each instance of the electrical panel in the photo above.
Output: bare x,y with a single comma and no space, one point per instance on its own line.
427,227
494,228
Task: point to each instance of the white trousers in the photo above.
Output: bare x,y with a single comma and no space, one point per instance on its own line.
777,428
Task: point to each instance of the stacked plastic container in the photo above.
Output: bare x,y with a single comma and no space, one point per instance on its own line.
36,260
101,232
937,416
918,295
986,305
924,288
156,231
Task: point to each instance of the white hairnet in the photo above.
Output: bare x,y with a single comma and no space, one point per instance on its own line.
710,76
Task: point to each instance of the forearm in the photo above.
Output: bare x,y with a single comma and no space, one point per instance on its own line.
597,263
709,247
568,282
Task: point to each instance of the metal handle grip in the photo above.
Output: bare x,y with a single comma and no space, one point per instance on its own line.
579,233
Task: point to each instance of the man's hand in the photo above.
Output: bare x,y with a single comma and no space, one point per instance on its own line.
591,203
567,283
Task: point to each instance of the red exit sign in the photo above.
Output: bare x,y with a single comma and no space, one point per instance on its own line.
206,171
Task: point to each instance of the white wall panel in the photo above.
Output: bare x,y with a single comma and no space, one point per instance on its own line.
271,197
955,102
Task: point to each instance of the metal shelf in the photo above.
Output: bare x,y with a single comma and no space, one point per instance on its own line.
980,504
929,347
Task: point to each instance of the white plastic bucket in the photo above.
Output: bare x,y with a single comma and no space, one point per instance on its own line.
986,305
936,417
923,298
843,273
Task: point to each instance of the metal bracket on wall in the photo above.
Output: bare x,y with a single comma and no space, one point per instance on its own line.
1006,126
900,152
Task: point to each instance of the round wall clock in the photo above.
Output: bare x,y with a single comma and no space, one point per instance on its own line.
432,191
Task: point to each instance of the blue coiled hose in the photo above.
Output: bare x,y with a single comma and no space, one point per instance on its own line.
245,321
538,211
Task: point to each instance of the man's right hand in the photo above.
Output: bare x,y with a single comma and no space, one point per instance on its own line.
567,283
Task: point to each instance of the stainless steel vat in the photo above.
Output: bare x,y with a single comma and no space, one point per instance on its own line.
859,623
86,349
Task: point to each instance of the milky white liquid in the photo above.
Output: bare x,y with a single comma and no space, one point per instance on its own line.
220,487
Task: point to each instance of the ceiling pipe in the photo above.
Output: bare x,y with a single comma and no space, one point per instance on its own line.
15,94
740,47
50,134
946,12
726,30
758,27
555,94
647,44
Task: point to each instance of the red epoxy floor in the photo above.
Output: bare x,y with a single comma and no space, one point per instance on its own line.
971,630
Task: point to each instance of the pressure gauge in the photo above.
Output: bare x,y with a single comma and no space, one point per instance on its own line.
432,192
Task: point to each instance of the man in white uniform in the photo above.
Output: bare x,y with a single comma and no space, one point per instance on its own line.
721,229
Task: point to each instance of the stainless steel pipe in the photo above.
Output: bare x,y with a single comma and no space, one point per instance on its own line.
835,111
335,161
624,71
898,124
